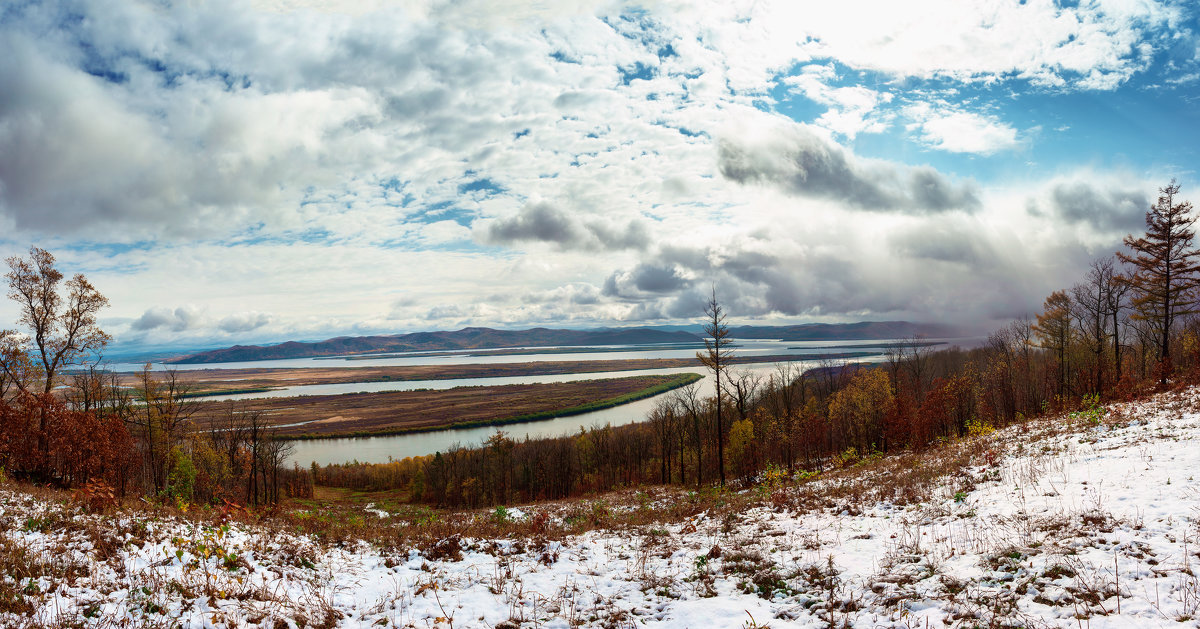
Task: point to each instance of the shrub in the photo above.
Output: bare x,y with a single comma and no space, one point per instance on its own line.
181,480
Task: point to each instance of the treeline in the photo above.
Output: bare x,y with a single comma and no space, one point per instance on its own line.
1128,327
66,422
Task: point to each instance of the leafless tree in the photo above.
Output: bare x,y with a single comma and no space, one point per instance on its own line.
742,387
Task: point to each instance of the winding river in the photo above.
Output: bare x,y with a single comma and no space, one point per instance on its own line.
383,448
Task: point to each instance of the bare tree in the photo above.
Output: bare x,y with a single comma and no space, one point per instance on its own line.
665,421
785,391
1116,303
274,452
1090,306
915,355
256,434
687,400
743,387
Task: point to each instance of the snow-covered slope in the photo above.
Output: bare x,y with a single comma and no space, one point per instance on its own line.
1064,523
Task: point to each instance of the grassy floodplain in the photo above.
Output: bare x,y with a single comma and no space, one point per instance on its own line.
398,412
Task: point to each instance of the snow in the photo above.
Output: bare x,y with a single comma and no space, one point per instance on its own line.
1078,525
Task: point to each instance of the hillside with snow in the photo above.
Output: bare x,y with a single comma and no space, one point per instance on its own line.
1085,520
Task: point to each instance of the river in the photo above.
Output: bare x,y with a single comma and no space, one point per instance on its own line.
381,449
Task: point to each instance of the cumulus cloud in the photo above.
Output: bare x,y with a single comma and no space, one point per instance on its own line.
957,131
575,293
175,320
547,223
801,162
243,322
852,109
84,157
231,151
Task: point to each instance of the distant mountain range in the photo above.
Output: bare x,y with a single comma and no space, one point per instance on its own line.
488,338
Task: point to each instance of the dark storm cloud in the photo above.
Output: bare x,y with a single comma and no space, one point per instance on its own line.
1106,210
802,163
543,222
538,221
953,272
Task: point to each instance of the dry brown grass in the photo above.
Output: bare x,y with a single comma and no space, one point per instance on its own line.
903,478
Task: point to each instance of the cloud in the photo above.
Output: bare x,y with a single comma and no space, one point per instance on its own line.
1103,208
943,242
1091,46
852,109
194,320
243,322
177,320
84,157
576,293
544,222
957,131
616,160
646,278
802,163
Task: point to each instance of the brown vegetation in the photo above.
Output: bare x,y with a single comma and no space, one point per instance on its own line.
105,438
394,412
211,381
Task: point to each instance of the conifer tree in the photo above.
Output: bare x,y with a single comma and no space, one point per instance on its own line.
716,357
1164,269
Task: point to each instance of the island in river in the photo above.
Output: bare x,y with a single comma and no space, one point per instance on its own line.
206,382
397,412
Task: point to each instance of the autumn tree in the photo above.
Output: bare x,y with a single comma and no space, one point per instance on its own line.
858,409
62,329
1053,329
1164,270
159,421
716,357
60,319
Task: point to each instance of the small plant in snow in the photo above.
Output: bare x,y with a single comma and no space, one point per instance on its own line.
1093,412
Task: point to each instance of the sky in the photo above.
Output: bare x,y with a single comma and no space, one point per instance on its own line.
236,172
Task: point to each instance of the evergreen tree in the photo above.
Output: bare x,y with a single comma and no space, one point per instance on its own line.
716,357
1164,273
